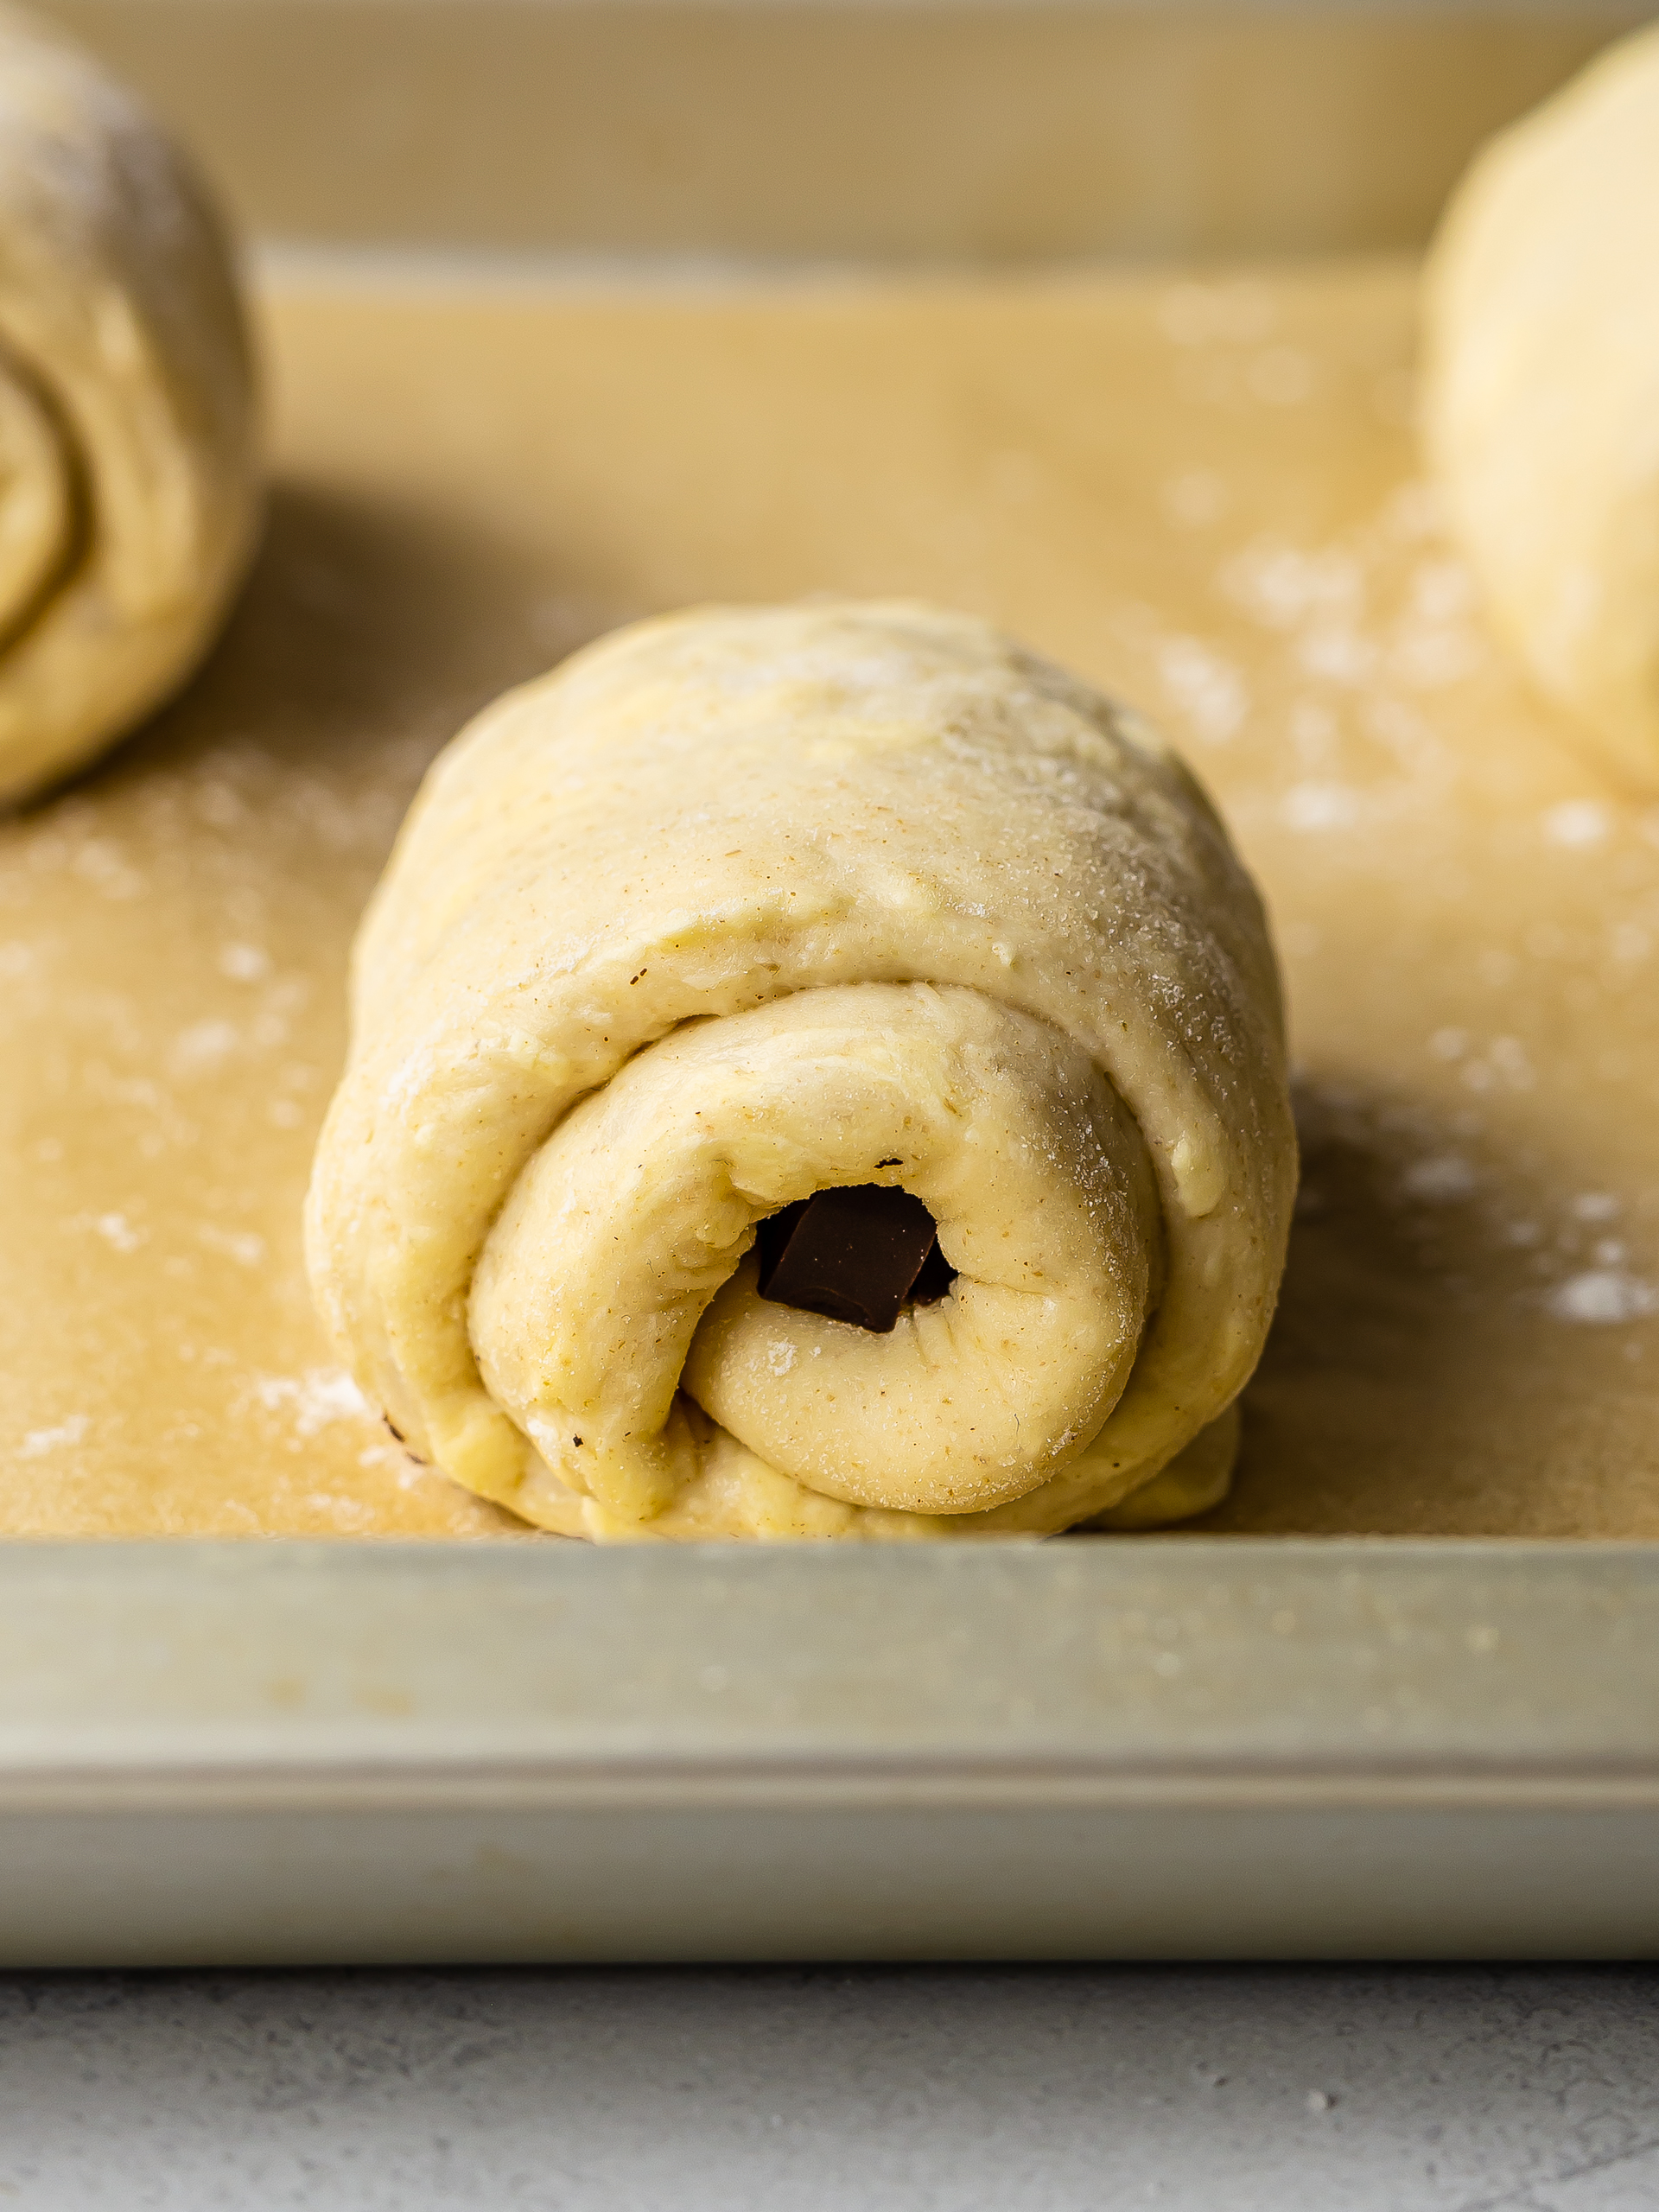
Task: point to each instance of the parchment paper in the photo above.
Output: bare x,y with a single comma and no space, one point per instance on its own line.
1201,490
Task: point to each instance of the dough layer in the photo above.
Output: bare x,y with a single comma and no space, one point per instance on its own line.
129,486
739,905
1542,394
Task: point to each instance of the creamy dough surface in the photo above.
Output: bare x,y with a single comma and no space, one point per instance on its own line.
1542,395
128,487
744,904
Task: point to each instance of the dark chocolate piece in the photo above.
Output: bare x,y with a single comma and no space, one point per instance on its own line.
859,1254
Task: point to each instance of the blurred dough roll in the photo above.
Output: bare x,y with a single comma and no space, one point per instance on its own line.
128,492
1542,398
742,906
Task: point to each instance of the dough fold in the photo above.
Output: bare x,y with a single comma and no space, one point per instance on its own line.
129,486
1541,394
742,904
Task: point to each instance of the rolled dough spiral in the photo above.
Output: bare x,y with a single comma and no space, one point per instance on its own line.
739,905
128,479
1542,394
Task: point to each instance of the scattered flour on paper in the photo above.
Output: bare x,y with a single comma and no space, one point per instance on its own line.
314,1399
39,1441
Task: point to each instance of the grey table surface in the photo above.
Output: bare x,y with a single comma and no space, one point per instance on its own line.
1220,2090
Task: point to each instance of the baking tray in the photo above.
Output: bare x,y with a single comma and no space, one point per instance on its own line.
651,356
1077,1750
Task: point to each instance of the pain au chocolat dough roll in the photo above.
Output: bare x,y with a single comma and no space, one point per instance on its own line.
715,974
129,485
1541,394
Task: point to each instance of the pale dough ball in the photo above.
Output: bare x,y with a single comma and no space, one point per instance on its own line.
747,904
128,480
1542,394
